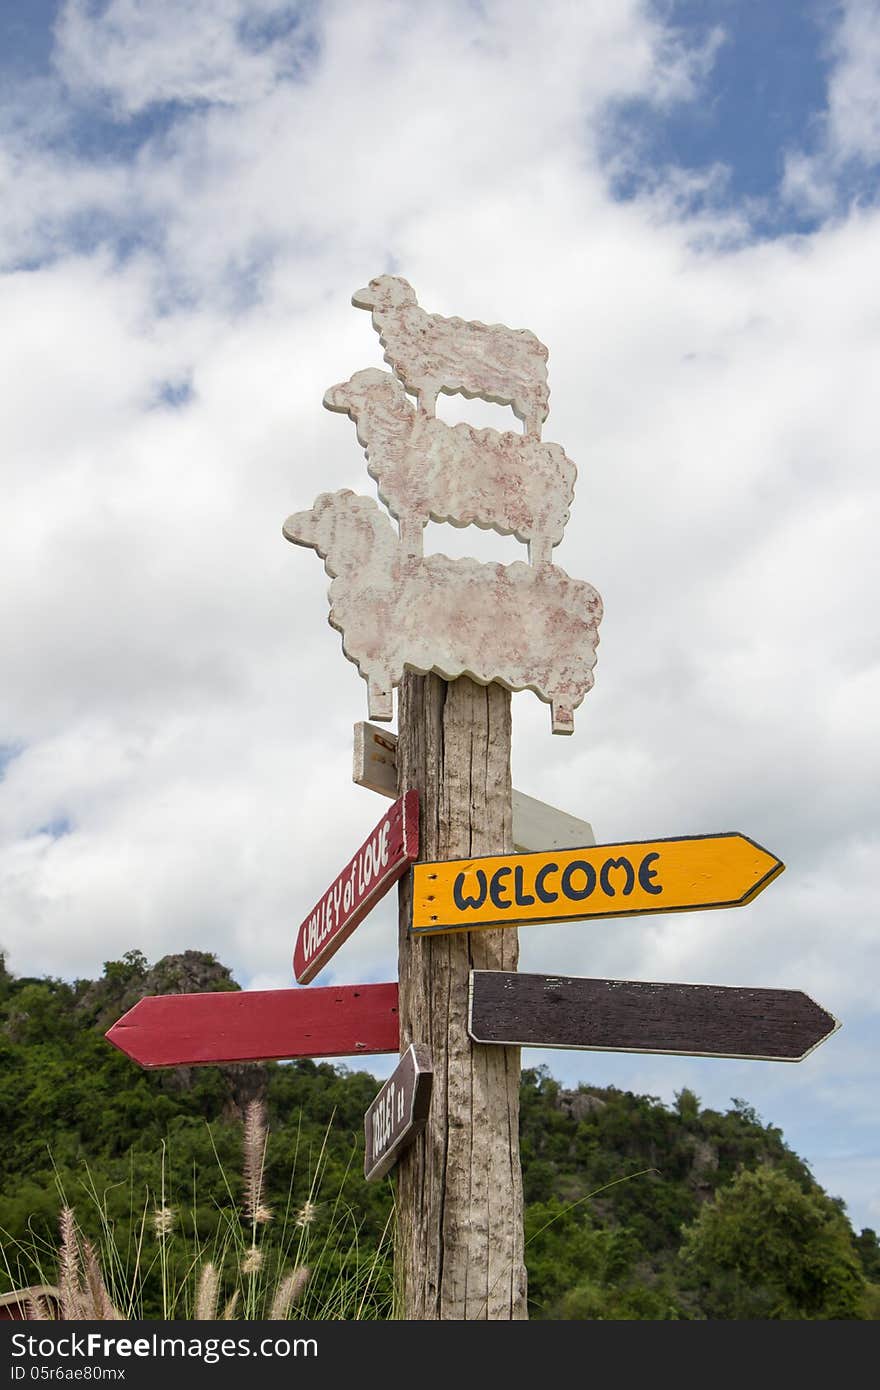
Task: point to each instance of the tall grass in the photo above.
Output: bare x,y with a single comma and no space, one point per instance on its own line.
252,1263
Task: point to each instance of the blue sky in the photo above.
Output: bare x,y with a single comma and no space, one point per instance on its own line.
680,199
770,67
762,100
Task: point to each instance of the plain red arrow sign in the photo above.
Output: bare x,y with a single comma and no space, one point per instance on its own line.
185,1030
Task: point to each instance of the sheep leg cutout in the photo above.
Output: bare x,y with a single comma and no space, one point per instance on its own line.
540,551
562,720
412,535
526,627
428,392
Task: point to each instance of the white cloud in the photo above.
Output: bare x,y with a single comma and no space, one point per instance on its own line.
853,97
848,132
140,52
171,680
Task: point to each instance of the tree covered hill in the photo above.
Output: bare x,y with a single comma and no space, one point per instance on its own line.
634,1209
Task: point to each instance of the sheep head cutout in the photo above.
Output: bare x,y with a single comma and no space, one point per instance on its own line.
431,354
428,470
527,627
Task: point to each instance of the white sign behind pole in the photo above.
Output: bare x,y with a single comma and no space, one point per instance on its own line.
536,825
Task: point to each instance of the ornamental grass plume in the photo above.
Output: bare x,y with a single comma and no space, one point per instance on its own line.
289,1292
38,1309
82,1292
255,1137
163,1222
253,1261
306,1214
241,1268
97,1302
68,1265
207,1293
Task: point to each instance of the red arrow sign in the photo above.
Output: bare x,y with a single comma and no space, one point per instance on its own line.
186,1030
382,858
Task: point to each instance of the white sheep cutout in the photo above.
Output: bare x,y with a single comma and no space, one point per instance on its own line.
426,469
526,628
431,354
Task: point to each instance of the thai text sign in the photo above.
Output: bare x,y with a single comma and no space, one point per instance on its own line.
672,875
380,861
399,1112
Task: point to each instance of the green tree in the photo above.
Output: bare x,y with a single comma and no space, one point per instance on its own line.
767,1248
687,1105
868,1250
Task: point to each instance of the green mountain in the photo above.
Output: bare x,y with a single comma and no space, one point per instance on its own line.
634,1209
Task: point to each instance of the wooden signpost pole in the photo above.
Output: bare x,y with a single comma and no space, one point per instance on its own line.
459,1250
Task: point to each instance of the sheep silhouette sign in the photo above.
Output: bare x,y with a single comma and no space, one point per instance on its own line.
431,354
526,626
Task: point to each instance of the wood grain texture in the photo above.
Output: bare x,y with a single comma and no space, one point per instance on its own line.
459,1252
260,1025
781,1025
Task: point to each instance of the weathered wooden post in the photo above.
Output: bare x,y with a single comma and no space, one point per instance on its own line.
459,1247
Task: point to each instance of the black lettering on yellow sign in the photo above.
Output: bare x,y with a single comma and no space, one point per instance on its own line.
578,881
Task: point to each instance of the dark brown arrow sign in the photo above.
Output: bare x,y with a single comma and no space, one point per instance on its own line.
399,1112
780,1025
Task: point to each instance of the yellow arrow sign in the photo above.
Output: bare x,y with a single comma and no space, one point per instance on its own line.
677,875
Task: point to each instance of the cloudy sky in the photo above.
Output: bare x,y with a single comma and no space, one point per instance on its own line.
680,199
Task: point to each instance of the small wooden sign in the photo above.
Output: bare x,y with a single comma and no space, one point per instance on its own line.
675,875
382,858
399,1112
781,1025
260,1025
374,758
535,824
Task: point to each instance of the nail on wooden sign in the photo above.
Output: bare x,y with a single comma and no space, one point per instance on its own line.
386,853
675,875
399,1112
